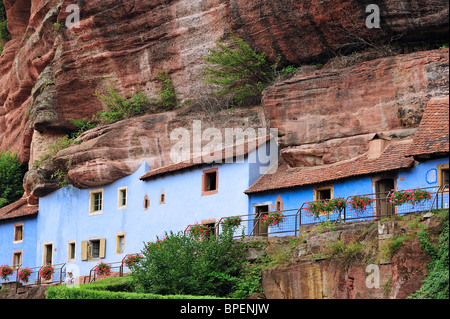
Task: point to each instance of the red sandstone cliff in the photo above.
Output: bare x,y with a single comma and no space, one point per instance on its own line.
49,73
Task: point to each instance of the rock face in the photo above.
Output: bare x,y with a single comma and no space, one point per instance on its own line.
313,274
329,115
50,73
123,42
108,153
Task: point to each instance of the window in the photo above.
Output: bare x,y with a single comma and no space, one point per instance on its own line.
93,249
162,197
17,258
120,243
18,233
122,198
323,193
47,257
210,182
211,230
211,226
443,175
96,202
146,202
260,228
279,204
71,251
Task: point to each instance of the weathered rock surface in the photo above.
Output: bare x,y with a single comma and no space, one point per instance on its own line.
49,73
110,152
328,115
123,42
313,274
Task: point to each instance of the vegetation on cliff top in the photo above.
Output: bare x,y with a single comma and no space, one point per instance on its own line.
2,11
11,178
4,34
241,72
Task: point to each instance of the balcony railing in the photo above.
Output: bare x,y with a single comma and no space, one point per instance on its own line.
58,276
381,206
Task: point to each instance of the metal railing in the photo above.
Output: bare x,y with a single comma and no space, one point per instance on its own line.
121,267
35,279
381,206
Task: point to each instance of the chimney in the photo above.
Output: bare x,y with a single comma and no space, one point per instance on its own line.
377,145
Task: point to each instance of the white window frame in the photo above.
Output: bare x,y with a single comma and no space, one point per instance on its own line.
92,193
69,243
15,233
118,236
119,197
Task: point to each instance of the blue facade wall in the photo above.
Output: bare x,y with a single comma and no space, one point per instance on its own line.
27,246
423,175
64,214
293,198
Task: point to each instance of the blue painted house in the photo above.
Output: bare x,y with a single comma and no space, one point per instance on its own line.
390,164
82,227
18,234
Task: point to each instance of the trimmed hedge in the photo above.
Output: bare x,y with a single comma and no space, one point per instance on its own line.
64,292
110,288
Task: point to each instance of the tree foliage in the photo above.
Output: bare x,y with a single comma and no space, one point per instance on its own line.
4,34
120,107
436,284
167,96
11,178
2,11
238,70
189,264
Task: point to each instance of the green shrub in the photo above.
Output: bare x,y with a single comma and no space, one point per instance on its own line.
4,34
392,245
2,11
82,126
348,251
119,107
238,70
249,282
190,265
436,284
167,95
11,178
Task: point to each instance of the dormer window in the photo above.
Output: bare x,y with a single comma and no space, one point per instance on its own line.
377,145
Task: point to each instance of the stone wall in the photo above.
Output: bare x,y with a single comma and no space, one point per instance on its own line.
337,262
9,291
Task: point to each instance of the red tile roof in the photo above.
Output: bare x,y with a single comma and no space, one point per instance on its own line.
432,138
226,153
18,209
393,158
